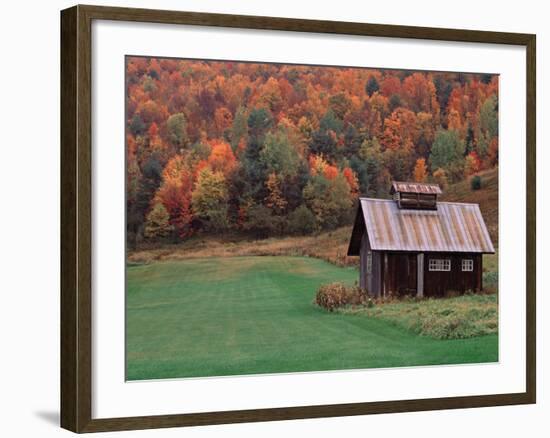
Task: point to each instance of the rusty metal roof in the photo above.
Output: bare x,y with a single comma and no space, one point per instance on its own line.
453,227
414,187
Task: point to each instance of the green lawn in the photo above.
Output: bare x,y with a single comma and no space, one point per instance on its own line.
249,315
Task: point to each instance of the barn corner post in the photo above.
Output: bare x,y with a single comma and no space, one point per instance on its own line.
420,275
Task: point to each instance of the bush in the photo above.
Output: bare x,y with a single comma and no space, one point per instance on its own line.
302,221
475,182
334,295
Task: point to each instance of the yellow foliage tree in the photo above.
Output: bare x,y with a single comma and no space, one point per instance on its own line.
420,170
275,199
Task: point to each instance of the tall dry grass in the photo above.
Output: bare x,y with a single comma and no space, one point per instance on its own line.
329,246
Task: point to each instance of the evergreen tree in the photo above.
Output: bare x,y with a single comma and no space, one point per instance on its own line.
372,86
137,127
352,141
324,140
371,153
259,122
239,129
488,117
151,177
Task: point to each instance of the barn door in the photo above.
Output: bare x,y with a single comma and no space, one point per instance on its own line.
403,272
412,274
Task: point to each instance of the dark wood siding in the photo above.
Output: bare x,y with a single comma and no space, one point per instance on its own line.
437,283
396,273
371,281
363,274
376,277
399,273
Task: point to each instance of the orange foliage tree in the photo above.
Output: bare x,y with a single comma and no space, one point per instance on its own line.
420,170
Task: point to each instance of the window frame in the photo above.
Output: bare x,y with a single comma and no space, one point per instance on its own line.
439,265
469,263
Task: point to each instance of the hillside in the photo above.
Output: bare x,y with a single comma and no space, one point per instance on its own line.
274,149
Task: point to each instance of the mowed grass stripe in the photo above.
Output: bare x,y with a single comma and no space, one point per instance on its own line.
250,315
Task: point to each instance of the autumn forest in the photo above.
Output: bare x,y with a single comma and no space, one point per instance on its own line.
275,149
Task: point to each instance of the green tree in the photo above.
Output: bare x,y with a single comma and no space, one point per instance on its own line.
261,222
372,86
488,117
330,122
372,180
259,122
133,217
199,151
447,149
149,85
157,223
176,126
359,166
352,140
239,129
324,141
147,185
292,188
486,78
488,125
302,221
278,156
137,127
329,200
209,200
339,104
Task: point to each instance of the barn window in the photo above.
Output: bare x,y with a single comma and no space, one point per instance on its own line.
369,262
467,265
439,265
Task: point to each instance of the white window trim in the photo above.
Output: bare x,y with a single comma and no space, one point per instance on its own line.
439,265
467,265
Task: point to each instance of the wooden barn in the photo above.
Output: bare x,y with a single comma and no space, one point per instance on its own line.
415,245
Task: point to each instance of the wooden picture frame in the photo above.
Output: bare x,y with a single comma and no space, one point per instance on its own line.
76,218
